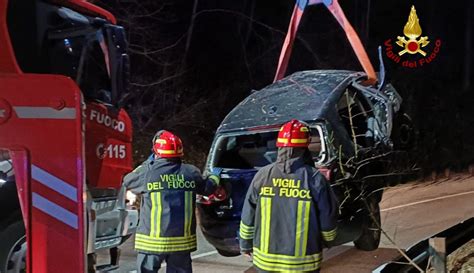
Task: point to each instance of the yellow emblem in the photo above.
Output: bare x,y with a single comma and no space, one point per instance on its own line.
412,30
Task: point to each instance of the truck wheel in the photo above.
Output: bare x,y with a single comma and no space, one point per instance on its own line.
370,237
13,248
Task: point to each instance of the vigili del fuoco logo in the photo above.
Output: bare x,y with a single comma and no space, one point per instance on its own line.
412,44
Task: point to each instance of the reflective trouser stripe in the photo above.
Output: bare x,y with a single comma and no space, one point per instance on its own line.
246,228
329,235
166,240
282,267
266,211
285,263
188,212
155,219
246,232
288,259
166,248
302,223
164,244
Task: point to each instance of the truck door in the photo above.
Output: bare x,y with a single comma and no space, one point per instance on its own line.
41,133
42,130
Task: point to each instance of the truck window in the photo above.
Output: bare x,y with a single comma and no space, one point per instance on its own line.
82,59
50,39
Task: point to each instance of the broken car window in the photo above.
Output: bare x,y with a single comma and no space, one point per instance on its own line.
356,116
256,149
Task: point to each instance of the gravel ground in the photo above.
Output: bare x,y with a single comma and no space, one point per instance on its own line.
462,260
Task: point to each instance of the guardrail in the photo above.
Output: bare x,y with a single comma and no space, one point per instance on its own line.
420,253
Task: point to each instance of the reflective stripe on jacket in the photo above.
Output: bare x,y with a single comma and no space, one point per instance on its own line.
168,189
289,209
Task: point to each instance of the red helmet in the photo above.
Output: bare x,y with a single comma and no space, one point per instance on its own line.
165,144
293,134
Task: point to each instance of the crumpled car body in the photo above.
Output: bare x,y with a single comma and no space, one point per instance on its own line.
351,127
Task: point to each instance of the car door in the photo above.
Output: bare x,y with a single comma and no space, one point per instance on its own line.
385,103
356,113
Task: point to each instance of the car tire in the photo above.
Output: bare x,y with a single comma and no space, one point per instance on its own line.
13,250
404,134
370,238
226,253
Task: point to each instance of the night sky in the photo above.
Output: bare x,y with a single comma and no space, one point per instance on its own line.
200,66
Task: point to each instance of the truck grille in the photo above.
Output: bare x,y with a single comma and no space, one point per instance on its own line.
103,206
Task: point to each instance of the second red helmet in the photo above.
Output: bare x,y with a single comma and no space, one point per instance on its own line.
293,134
166,144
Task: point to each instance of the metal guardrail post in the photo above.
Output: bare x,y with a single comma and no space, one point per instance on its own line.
437,250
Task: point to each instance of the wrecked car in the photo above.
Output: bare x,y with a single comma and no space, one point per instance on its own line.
351,144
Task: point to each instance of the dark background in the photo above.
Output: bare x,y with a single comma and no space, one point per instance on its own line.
194,60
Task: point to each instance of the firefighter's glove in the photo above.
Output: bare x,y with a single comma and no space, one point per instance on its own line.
215,175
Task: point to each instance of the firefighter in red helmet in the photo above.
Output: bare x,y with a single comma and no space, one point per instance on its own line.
167,228
289,209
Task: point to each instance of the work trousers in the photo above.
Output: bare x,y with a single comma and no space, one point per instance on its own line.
175,262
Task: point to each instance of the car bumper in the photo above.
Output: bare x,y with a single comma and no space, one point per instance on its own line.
222,235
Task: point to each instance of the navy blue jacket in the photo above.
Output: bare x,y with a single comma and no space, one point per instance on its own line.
168,189
288,212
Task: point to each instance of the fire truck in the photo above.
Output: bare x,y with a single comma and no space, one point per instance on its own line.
65,139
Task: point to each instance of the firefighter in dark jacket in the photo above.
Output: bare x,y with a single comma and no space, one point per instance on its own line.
289,209
167,228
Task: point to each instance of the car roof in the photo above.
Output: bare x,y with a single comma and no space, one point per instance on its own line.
301,95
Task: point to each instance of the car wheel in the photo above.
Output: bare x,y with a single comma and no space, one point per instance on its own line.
226,253
404,134
370,237
13,250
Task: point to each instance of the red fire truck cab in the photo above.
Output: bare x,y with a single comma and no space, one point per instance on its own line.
65,140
